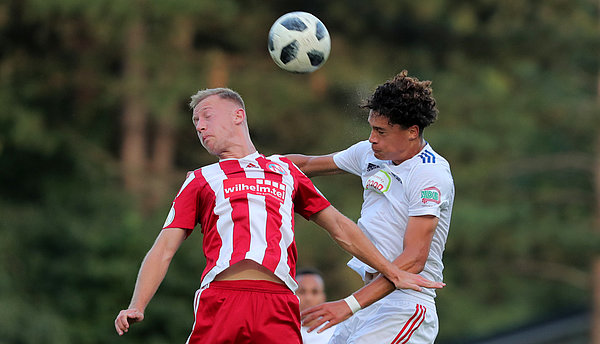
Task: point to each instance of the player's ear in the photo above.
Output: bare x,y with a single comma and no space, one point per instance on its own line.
239,116
413,132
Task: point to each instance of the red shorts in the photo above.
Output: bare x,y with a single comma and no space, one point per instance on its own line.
246,312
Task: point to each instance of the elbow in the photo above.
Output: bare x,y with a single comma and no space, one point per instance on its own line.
416,265
168,254
167,258
415,259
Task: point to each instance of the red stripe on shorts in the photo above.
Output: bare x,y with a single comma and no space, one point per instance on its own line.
409,328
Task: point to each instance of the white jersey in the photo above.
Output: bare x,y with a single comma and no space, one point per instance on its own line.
314,337
419,186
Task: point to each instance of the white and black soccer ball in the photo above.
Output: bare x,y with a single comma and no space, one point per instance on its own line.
299,42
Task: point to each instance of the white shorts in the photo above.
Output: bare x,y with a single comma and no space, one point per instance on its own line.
398,318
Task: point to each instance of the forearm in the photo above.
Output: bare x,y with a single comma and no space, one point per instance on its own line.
152,272
354,241
300,160
313,166
155,266
374,291
381,286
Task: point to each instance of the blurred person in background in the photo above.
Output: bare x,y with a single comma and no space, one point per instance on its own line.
245,204
407,204
311,292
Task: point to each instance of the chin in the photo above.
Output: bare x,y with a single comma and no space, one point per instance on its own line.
379,156
208,148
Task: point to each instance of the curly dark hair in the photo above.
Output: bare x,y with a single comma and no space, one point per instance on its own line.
405,101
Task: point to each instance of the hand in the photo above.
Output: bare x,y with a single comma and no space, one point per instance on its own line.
407,280
331,312
125,318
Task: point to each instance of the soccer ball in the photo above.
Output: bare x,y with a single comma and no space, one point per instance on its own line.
299,42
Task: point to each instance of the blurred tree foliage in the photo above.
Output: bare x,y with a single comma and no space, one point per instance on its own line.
95,139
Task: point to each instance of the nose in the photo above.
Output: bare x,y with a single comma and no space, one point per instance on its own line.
372,137
200,126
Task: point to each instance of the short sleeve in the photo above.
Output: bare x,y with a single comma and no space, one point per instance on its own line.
429,190
184,210
352,158
308,200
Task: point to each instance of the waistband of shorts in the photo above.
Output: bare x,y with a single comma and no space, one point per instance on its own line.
424,300
251,285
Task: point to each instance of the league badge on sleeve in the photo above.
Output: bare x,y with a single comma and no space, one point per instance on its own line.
431,194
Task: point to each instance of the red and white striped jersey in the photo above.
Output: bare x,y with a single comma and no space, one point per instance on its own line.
245,209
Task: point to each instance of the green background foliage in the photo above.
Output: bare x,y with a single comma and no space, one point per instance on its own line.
515,83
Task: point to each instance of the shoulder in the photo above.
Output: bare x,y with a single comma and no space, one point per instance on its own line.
429,157
206,174
279,159
207,171
282,165
428,162
357,153
361,147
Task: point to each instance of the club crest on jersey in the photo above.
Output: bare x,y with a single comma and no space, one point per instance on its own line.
276,168
235,187
379,182
431,194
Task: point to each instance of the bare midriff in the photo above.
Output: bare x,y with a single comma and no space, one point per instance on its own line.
247,270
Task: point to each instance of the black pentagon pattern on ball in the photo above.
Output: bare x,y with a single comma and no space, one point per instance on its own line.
294,24
316,57
289,52
321,31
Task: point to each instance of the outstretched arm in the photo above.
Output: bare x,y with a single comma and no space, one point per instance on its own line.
347,234
315,165
152,272
417,240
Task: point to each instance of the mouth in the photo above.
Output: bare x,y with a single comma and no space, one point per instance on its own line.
377,152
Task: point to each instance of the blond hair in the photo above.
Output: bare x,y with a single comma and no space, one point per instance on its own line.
224,93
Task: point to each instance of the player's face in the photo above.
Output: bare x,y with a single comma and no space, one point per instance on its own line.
310,291
391,141
214,119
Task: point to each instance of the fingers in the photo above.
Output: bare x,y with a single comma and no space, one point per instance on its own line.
420,282
430,284
436,285
328,325
309,311
318,322
121,323
415,287
309,319
125,319
313,317
309,323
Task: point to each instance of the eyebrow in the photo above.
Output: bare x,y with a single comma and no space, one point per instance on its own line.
202,109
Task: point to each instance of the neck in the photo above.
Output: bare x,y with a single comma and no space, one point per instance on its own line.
413,150
238,151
